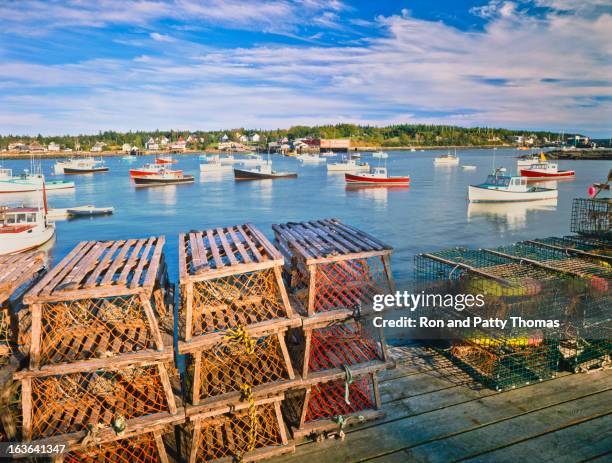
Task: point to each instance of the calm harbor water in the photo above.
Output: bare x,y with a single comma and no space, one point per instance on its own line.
431,214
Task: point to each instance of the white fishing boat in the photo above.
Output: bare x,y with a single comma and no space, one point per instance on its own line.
228,159
447,160
251,160
348,165
380,154
27,182
500,188
531,160
328,154
80,166
23,228
310,158
213,164
468,167
376,176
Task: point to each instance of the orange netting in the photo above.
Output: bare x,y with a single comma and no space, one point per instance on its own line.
234,435
327,400
226,367
69,403
92,328
140,449
236,300
5,334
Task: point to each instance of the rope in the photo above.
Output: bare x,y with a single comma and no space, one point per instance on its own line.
241,336
247,395
91,435
348,380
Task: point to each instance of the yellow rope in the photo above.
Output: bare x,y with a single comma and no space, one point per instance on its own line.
241,335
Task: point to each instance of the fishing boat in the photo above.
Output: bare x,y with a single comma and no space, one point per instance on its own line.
310,158
165,159
531,160
164,177
376,176
468,167
348,165
80,166
261,172
327,154
149,169
228,159
545,171
213,164
27,183
447,160
23,228
499,188
380,154
89,211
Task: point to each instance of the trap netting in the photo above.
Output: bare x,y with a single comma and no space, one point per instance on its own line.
10,411
580,243
139,449
5,333
76,401
343,284
234,435
329,401
504,363
347,343
228,366
241,299
592,217
92,328
586,348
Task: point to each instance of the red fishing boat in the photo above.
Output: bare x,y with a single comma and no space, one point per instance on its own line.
377,176
545,171
164,159
149,169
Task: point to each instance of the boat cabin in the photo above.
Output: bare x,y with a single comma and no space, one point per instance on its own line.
506,182
17,219
379,171
6,173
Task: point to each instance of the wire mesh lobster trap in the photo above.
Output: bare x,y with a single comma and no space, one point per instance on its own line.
145,448
592,217
17,272
333,266
89,401
250,431
220,373
596,246
104,299
230,278
587,348
332,405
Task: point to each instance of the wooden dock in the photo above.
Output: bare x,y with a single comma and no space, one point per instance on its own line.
435,414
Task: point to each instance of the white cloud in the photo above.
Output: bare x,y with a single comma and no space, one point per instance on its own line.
520,71
161,37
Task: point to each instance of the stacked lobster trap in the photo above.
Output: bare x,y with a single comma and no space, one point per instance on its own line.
17,273
592,217
100,376
233,317
334,270
532,280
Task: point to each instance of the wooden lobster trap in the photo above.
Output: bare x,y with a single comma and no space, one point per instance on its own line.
219,374
17,273
230,278
333,266
144,448
249,431
331,405
104,299
96,402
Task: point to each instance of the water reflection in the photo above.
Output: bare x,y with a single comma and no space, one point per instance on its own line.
379,194
508,216
165,195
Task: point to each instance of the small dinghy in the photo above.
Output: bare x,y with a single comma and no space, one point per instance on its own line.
466,167
89,211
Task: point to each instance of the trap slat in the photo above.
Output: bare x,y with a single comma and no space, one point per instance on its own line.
16,270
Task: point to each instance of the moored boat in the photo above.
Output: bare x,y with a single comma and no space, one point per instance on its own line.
80,166
545,171
380,154
348,165
504,188
23,228
447,160
327,154
310,158
468,167
165,177
27,183
261,172
165,159
377,176
213,164
89,211
149,169
531,160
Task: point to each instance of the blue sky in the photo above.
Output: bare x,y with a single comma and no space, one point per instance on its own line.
79,66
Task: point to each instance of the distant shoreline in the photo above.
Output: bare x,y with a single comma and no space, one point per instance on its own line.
63,155
586,154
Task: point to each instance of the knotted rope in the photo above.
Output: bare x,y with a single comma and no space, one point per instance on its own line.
348,380
240,335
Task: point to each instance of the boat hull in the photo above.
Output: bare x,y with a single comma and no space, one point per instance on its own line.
152,181
534,174
477,194
363,180
243,174
12,243
146,173
24,186
91,170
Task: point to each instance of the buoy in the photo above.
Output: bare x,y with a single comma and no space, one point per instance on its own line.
592,191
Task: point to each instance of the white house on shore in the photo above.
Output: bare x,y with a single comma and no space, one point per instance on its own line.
98,147
254,138
179,145
53,146
126,148
152,145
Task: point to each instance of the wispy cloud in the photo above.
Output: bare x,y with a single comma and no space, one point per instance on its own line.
546,71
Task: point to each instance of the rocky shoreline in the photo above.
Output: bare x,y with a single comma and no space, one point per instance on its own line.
588,154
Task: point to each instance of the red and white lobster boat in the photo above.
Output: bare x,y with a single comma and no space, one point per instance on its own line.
150,169
165,159
376,176
545,171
